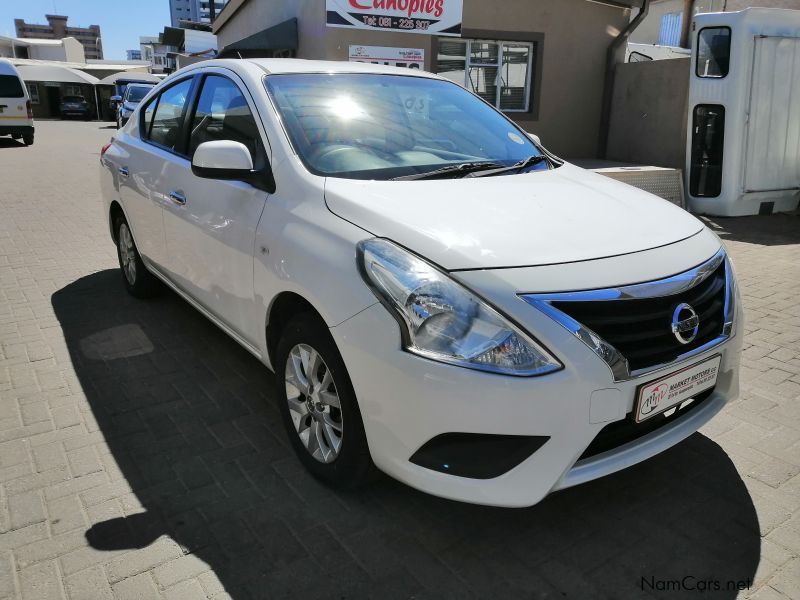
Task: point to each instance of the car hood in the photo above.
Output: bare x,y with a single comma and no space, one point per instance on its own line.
561,215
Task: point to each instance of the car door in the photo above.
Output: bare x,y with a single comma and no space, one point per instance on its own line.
147,164
210,224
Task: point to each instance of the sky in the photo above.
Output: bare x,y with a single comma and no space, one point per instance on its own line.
121,22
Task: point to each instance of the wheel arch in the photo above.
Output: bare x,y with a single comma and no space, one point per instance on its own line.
115,211
282,309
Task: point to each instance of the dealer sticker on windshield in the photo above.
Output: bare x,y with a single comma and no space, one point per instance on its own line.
661,395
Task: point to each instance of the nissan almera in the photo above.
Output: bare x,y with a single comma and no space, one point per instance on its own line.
438,295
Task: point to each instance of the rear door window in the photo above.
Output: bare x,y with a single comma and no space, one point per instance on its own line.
713,52
10,87
166,122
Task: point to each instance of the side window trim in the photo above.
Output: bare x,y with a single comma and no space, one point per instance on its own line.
190,101
145,135
697,56
251,105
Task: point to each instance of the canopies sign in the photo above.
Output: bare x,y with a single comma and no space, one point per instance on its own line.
442,17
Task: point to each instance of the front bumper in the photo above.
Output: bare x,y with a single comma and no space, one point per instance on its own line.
406,401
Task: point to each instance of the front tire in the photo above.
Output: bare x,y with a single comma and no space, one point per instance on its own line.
139,282
319,406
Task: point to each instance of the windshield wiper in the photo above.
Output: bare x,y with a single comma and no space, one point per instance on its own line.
526,162
459,169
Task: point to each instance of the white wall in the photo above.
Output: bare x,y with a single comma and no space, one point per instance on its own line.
199,41
73,50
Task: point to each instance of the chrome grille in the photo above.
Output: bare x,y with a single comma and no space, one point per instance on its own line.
631,327
640,329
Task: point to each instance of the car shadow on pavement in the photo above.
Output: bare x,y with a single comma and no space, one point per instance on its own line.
766,230
7,142
191,422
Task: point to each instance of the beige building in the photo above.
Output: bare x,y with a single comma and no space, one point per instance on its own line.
57,29
665,18
543,62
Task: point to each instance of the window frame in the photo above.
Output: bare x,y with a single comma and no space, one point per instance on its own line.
33,92
181,146
201,79
537,38
697,52
693,184
498,64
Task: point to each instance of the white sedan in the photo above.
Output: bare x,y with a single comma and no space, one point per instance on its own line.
439,296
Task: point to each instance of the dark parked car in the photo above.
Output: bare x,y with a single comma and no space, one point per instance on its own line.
126,104
75,106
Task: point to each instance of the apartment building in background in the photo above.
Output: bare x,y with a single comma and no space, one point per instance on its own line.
197,11
57,29
157,53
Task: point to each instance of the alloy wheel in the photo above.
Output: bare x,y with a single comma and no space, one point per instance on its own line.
127,254
314,404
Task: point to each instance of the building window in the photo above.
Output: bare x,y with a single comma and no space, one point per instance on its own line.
72,90
33,92
499,72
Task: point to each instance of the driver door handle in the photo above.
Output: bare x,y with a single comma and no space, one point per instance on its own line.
177,197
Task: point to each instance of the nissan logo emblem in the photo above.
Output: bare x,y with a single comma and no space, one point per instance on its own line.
685,323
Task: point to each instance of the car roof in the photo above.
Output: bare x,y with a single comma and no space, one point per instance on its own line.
299,65
7,68
139,84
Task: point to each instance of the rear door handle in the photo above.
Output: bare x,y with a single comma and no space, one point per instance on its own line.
177,197
123,171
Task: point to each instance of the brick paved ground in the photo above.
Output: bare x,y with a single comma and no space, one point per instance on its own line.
142,456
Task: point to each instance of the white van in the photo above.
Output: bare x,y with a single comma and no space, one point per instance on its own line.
16,114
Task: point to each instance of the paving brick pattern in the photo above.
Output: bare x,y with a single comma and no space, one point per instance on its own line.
142,455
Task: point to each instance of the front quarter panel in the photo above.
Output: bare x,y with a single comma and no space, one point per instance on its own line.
302,247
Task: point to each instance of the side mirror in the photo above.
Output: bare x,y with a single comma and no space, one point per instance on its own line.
116,99
535,138
222,159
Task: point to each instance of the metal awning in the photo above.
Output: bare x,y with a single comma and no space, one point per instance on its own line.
128,76
282,36
55,73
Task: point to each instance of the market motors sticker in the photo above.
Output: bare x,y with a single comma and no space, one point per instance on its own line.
661,395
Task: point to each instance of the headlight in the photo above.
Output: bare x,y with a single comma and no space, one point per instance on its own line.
441,320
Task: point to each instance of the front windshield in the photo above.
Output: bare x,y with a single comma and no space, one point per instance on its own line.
374,126
135,94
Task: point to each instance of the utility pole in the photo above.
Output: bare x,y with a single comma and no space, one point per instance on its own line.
686,22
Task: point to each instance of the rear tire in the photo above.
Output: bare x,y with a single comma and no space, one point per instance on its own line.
27,139
139,282
324,422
